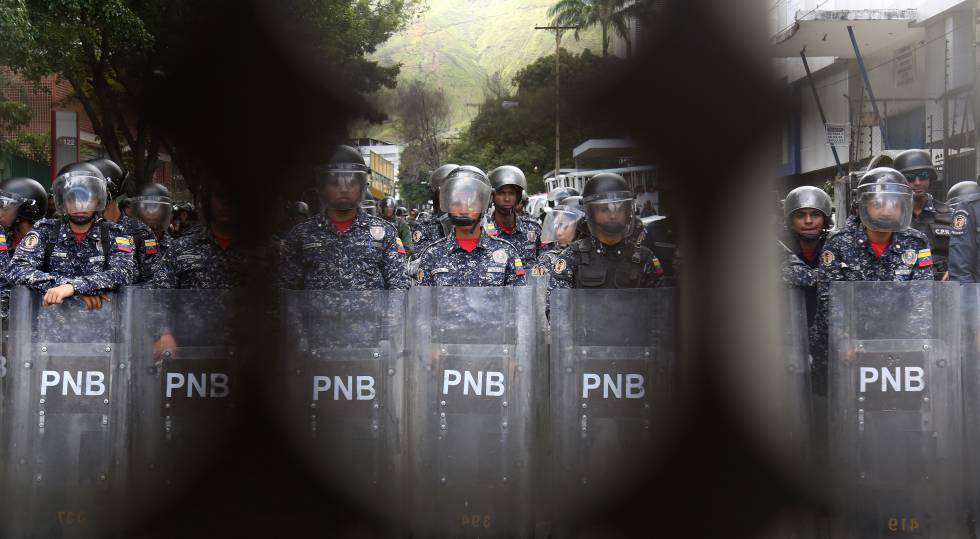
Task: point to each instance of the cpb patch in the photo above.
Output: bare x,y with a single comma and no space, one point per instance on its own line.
30,241
959,222
827,258
908,257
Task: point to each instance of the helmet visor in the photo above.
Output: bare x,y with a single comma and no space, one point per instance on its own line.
10,201
79,192
886,211
342,190
156,212
610,213
560,225
464,195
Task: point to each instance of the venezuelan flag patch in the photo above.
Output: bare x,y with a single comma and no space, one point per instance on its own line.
124,245
924,258
518,266
150,246
657,267
491,229
399,246
3,242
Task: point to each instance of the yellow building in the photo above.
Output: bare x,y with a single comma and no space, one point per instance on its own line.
382,182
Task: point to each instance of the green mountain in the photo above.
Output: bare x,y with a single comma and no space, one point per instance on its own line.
457,44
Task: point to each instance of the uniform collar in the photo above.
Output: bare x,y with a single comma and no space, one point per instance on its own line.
602,248
360,219
484,242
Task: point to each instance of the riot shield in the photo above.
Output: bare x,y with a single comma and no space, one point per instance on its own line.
344,391
65,424
971,389
186,383
611,375
796,409
471,366
895,408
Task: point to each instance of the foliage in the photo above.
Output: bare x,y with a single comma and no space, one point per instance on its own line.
524,136
32,146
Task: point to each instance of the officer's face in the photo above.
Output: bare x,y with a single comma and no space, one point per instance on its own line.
807,221
342,190
884,207
605,214
919,183
506,197
8,211
389,212
80,203
565,230
220,210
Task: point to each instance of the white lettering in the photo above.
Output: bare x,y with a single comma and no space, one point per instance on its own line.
175,380
495,384
339,387
609,386
365,388
634,386
68,380
219,382
196,384
450,378
589,381
476,384
869,375
49,379
914,374
320,384
887,379
94,379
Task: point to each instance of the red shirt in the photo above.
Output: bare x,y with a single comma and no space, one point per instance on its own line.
878,248
468,244
80,236
808,254
342,226
506,230
222,241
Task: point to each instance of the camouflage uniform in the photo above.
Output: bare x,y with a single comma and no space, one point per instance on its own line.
84,264
426,231
526,236
589,263
5,248
494,262
545,262
195,260
798,271
145,248
847,256
964,257
934,221
157,249
369,255
405,234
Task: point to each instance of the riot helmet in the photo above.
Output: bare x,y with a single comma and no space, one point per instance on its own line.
154,206
915,163
116,178
343,181
608,204
561,225
885,200
465,195
299,208
557,196
807,197
78,194
369,207
401,211
507,175
386,204
965,191
81,166
25,195
524,199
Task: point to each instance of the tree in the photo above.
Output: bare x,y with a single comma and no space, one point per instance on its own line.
607,14
118,54
423,118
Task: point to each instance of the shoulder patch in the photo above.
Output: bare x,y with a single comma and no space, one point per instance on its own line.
499,256
378,232
420,276
31,240
416,236
532,236
959,221
924,258
908,257
827,258
560,265
539,270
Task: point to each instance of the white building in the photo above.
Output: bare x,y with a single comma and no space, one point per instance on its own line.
920,59
390,151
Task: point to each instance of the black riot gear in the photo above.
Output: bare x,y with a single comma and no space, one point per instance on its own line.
885,200
31,194
438,177
915,162
154,206
507,175
465,193
343,181
608,193
117,180
298,207
965,191
557,196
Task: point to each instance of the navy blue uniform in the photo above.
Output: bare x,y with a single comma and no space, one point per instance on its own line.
589,263
195,260
144,247
368,255
494,262
964,257
525,235
426,231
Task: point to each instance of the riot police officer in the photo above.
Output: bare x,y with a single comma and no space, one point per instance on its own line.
154,208
807,212
929,216
389,212
297,212
343,248
964,257
23,201
80,253
426,230
560,229
557,196
469,256
508,184
607,259
117,182
879,246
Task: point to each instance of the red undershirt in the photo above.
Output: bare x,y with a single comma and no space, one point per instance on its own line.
878,248
808,254
15,242
506,230
222,241
80,236
468,244
342,226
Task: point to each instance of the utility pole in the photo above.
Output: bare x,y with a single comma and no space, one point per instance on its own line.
976,89
557,30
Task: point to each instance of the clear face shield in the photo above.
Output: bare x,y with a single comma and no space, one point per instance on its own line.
885,207
610,213
341,190
78,193
9,204
464,198
155,211
560,226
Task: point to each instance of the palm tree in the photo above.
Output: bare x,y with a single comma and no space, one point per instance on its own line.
605,13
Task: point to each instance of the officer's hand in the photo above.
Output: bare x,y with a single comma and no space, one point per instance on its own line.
57,294
166,342
94,301
946,276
